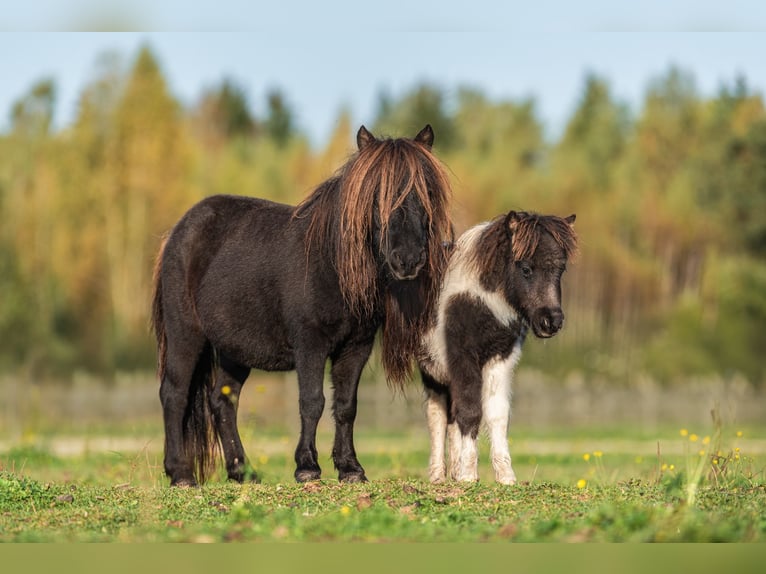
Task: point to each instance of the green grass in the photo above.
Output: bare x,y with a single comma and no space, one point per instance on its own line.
617,494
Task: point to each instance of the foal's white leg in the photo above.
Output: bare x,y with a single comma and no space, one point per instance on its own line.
455,445
496,407
468,470
436,415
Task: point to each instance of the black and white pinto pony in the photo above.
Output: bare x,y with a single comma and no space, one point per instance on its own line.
245,283
503,278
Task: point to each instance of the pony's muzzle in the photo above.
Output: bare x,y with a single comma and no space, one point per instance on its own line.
406,264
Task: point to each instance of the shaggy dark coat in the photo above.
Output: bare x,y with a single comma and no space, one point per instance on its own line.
246,283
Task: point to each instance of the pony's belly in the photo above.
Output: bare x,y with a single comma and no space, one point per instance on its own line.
253,342
262,355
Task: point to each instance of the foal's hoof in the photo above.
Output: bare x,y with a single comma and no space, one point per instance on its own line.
352,477
307,475
184,483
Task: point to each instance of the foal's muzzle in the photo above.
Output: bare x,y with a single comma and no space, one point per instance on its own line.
548,322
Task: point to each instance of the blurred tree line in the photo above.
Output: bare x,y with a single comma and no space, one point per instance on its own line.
670,203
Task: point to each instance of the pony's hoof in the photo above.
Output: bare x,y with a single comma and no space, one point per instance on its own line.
352,477
184,483
307,475
248,475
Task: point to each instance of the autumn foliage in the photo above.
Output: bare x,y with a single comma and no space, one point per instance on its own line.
670,202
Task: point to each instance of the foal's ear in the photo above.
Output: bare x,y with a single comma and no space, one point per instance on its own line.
364,138
426,136
571,219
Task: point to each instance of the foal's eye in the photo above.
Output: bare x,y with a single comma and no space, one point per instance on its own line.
526,270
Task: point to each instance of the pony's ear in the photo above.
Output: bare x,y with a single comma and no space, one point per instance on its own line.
364,138
426,136
571,219
511,220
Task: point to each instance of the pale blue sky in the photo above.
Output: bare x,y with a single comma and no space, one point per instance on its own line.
335,53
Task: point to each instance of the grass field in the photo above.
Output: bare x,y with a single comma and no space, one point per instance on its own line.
616,484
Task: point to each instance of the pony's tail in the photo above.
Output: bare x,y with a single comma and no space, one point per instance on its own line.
201,441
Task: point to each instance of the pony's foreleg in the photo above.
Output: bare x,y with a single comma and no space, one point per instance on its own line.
346,370
310,369
224,401
496,404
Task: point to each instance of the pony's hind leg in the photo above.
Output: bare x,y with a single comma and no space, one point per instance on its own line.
346,370
224,400
437,401
310,369
176,398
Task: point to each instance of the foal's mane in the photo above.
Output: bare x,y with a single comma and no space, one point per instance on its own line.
378,179
529,228
517,235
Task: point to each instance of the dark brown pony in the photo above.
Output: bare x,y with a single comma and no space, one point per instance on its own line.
246,283
503,278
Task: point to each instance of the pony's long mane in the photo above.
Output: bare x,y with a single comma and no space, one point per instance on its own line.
496,244
378,178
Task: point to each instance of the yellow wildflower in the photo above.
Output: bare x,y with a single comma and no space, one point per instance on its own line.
693,437
582,483
684,432
345,510
739,434
598,453
586,457
706,440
